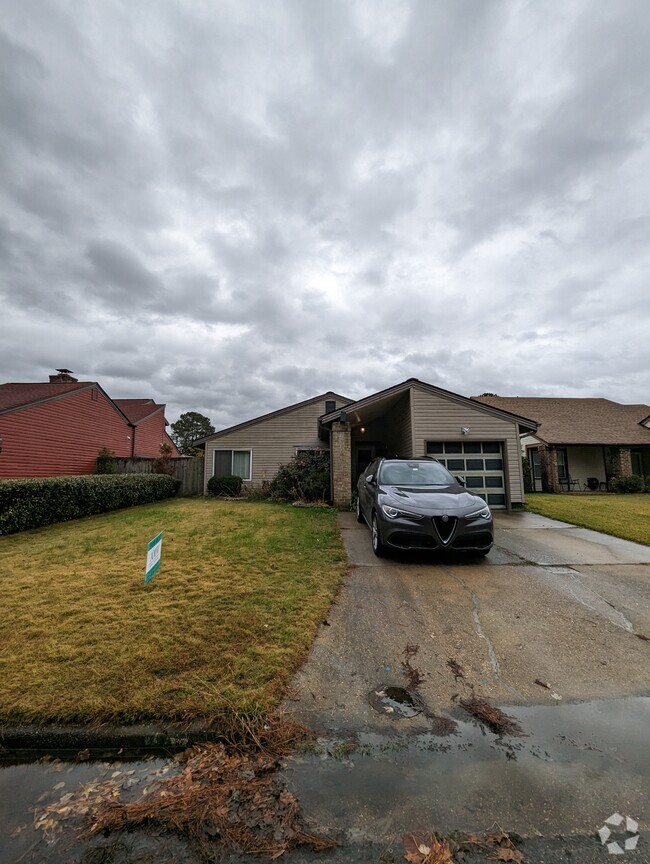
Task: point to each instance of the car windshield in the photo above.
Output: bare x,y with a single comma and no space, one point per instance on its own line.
415,474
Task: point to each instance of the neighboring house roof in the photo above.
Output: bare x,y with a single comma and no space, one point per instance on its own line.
264,417
579,421
138,410
14,396
393,393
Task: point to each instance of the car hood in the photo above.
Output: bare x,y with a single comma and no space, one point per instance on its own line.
432,498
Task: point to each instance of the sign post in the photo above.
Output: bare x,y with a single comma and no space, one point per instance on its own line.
154,553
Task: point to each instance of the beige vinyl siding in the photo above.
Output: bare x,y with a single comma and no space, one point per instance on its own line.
273,441
440,418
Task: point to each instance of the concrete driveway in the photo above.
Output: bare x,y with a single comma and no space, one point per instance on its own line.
553,603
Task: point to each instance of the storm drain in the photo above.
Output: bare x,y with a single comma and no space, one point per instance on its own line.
395,702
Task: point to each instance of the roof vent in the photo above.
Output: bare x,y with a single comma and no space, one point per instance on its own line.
64,375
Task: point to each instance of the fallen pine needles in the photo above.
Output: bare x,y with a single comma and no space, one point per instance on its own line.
235,801
494,718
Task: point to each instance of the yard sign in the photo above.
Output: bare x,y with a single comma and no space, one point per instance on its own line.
154,552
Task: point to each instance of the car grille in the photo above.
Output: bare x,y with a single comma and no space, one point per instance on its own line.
407,540
445,527
473,541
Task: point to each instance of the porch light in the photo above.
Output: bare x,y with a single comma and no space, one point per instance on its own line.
464,430
363,429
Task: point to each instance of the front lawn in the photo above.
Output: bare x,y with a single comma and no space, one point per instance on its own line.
626,516
220,629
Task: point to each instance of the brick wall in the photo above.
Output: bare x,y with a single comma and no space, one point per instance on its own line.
622,462
341,464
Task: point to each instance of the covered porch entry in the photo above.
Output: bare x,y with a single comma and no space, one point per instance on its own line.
414,419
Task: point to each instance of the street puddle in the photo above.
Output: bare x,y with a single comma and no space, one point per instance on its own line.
395,702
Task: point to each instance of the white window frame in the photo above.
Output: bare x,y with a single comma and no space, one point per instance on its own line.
232,451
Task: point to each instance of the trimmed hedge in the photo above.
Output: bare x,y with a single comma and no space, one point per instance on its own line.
42,501
229,486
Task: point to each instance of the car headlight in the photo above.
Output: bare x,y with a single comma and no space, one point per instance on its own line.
393,513
483,513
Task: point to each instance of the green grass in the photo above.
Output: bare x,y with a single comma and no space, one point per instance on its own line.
219,630
626,516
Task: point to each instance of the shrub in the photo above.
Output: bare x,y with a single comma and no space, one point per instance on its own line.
163,462
632,483
44,500
305,478
229,486
105,461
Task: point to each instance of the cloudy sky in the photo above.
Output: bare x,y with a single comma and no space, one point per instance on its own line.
232,206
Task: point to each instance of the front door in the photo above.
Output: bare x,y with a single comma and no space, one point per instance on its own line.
364,454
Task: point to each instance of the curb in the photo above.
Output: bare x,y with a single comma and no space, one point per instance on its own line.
34,741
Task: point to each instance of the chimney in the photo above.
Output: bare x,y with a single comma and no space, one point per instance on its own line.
64,375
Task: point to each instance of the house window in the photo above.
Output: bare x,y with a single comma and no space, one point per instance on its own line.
330,405
235,463
561,465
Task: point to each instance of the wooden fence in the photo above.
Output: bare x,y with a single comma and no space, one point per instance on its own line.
187,469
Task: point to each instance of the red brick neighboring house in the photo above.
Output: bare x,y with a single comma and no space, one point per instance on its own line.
58,428
148,420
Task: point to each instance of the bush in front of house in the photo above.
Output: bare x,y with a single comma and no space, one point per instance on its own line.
633,483
42,501
305,478
105,461
228,487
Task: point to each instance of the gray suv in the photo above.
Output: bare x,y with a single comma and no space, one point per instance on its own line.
418,504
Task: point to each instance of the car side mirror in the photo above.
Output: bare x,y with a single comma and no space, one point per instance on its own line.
460,480
370,479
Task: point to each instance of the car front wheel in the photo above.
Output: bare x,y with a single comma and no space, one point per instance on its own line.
377,546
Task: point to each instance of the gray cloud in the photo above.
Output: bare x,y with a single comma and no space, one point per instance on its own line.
233,211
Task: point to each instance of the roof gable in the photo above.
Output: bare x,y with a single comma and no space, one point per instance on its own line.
323,397
398,389
13,396
138,410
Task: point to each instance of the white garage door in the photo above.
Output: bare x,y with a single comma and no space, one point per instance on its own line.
479,463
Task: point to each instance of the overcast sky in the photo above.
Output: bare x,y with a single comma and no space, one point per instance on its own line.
233,206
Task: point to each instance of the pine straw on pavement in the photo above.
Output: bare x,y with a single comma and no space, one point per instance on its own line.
222,799
494,718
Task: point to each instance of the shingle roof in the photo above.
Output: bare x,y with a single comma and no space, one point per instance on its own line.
137,409
579,421
18,395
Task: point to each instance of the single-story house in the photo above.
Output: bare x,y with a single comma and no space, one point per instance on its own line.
58,427
476,441
581,443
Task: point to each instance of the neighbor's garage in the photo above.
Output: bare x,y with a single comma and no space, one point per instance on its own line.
479,463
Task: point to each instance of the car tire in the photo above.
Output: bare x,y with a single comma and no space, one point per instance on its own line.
377,546
360,516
